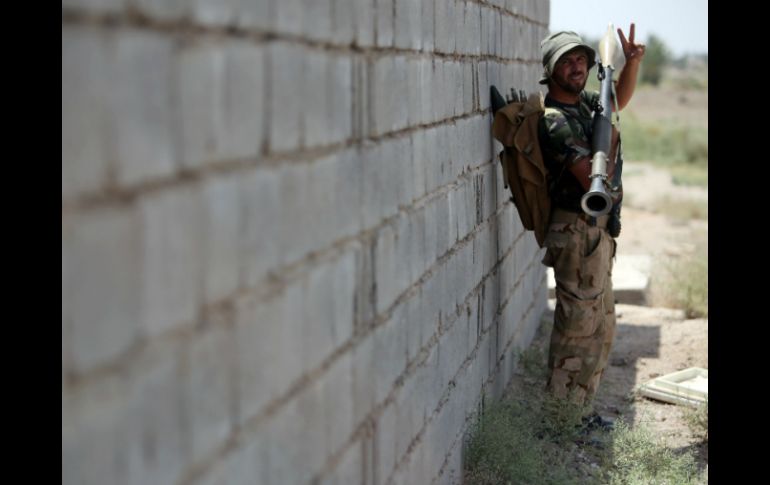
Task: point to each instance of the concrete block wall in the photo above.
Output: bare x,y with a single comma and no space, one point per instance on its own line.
287,253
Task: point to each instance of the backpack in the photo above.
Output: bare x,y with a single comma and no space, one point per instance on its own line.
516,126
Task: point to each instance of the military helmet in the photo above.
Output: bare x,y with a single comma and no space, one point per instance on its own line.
556,45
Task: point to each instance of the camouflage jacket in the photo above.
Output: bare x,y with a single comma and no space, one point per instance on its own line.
565,132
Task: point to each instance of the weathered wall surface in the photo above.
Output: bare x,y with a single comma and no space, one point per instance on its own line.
287,254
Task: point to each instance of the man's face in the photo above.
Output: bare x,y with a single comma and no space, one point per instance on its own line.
571,71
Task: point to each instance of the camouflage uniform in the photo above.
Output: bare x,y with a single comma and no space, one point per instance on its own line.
580,252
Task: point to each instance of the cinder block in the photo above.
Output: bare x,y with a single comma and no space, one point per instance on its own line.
484,87
317,18
458,145
201,91
340,98
435,307
409,248
347,189
440,111
543,12
102,289
463,37
427,20
402,169
409,312
362,114
426,90
285,63
288,16
364,15
473,21
254,15
431,234
523,48
343,18
389,86
208,389
443,230
448,100
307,207
141,110
385,186
100,439
86,84
172,251
469,205
158,451
431,104
490,204
221,229
480,140
101,6
265,332
215,12
327,302
445,26
458,224
460,35
486,25
455,68
316,107
517,45
497,33
385,23
408,24
460,284
419,160
163,9
244,108
508,36
469,88
389,285
462,143
260,209
414,91
427,146
446,155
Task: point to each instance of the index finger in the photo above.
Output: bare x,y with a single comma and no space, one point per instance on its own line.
631,32
623,40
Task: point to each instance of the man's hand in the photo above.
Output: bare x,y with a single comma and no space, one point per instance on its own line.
627,79
631,50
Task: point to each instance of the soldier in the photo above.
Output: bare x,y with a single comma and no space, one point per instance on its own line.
579,247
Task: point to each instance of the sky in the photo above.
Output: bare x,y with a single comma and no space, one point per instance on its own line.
681,24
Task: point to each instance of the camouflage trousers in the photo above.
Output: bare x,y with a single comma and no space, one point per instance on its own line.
584,321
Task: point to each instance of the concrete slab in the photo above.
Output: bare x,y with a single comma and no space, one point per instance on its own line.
630,279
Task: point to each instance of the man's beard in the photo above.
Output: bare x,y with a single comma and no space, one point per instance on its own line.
570,87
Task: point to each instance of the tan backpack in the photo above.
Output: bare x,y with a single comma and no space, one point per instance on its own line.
516,126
